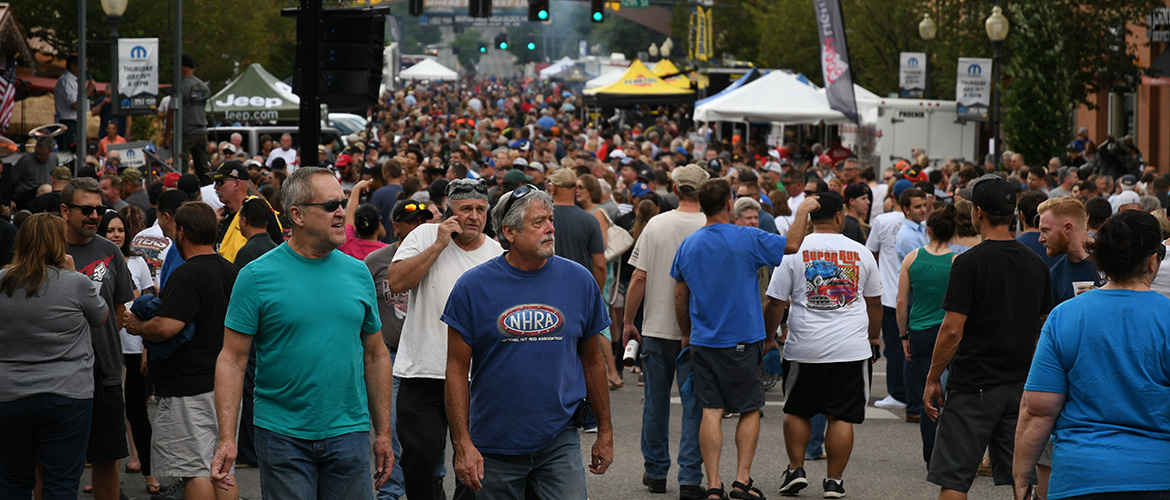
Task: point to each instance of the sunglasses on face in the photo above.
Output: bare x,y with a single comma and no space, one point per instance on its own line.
220,182
328,206
88,210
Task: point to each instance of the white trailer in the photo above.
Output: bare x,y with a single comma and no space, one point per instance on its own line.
892,127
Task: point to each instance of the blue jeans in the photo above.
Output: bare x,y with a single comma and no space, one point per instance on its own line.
47,428
816,441
336,468
393,488
553,472
895,358
660,373
921,352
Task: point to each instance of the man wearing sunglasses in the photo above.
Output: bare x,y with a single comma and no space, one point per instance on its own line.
231,184
102,262
524,313
427,264
322,371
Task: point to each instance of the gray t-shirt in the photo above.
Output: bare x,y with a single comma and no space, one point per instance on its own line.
103,263
45,345
578,235
391,306
195,95
28,174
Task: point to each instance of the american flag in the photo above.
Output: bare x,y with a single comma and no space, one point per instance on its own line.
7,95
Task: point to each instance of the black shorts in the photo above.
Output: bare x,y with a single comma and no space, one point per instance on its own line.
970,422
838,390
107,430
731,378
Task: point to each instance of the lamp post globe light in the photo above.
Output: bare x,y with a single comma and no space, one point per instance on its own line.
927,29
997,26
664,51
114,10
653,50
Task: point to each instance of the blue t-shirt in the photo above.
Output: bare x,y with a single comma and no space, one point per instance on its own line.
307,318
1063,273
172,260
768,222
1032,241
719,263
385,198
1109,353
525,330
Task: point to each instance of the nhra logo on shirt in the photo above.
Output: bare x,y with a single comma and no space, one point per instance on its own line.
530,320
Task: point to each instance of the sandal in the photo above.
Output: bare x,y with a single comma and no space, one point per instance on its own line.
153,488
746,491
88,490
718,492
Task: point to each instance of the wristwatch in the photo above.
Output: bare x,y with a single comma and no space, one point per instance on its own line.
905,337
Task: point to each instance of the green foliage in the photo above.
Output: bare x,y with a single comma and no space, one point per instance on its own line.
518,39
1038,102
221,35
466,44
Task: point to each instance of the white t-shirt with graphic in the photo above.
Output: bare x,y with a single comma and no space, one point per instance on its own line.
826,284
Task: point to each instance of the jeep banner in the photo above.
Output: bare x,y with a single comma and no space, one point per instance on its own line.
912,75
973,89
137,76
835,58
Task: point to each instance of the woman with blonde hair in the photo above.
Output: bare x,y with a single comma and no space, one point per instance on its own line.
46,363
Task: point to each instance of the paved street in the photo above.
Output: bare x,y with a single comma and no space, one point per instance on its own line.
886,461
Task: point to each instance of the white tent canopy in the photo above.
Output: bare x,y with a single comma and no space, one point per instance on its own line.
609,74
555,68
777,97
428,69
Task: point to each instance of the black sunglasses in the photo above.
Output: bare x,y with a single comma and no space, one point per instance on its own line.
328,206
466,187
86,210
517,194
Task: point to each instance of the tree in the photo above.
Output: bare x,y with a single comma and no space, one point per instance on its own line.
519,38
466,47
1038,102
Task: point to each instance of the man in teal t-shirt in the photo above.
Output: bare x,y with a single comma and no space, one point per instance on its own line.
322,370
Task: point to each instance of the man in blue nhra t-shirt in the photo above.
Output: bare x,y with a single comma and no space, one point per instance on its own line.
525,324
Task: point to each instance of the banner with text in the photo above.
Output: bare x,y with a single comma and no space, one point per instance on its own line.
137,76
912,75
973,89
835,58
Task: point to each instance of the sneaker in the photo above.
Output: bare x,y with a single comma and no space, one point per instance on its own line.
691,492
890,403
792,481
655,485
591,430
834,488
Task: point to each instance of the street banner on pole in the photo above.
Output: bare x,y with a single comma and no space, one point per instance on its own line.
703,34
835,58
912,75
137,76
973,89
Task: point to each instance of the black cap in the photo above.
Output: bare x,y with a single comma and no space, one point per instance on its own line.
411,210
995,196
188,61
188,183
854,191
438,189
233,169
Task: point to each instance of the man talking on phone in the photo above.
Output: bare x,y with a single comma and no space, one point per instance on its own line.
427,264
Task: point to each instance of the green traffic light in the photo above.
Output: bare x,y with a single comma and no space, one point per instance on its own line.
542,14
531,46
597,17
483,49
503,45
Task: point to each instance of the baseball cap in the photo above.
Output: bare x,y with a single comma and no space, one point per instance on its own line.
1125,198
171,180
967,192
521,144
1128,181
229,148
638,189
321,148
188,183
995,196
564,177
232,169
536,166
131,175
688,178
343,160
854,191
902,185
772,167
616,154
520,163
914,174
62,173
410,211
516,177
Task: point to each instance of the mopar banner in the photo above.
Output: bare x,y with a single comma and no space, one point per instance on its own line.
835,58
137,76
912,75
973,89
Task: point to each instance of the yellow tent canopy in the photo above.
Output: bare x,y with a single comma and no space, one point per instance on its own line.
664,67
639,86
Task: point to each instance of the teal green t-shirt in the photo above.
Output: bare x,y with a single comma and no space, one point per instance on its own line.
929,275
307,318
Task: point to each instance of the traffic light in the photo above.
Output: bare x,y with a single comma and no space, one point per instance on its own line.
482,48
538,10
349,68
597,7
531,44
502,41
416,7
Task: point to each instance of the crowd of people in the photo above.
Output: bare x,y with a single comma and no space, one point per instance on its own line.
295,313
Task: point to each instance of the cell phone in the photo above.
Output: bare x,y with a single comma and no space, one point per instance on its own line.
447,213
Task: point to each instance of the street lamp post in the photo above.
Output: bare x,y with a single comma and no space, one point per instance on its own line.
927,29
114,10
997,30
653,51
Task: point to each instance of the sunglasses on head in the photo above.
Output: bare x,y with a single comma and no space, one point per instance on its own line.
466,187
517,194
328,206
86,210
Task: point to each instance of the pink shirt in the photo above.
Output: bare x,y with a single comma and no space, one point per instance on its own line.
356,247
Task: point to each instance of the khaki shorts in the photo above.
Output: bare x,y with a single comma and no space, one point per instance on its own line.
185,434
